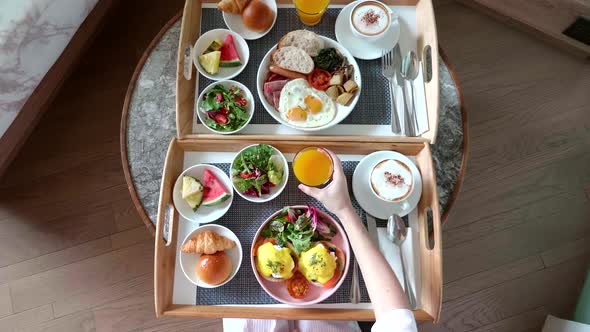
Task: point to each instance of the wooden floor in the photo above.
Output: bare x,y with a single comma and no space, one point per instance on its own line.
74,255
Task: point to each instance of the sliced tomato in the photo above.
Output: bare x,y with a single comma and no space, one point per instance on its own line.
241,101
332,282
319,79
246,175
221,118
298,286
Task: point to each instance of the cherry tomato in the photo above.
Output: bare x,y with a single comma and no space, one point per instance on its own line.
224,110
319,79
298,286
221,118
332,282
218,97
241,101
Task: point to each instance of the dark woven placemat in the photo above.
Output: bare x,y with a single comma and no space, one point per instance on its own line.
373,107
244,218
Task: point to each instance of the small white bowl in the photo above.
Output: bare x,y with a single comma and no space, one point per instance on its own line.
234,23
224,73
188,262
204,214
227,84
274,191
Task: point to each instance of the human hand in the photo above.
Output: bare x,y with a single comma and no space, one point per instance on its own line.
335,196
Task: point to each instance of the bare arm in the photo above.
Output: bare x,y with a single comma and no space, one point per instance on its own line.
384,289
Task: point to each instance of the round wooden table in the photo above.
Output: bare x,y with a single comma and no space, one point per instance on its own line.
148,124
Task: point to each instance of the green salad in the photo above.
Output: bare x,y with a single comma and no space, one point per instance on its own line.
226,109
256,170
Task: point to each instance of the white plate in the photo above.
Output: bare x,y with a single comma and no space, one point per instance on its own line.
224,73
227,84
188,262
359,47
341,111
367,199
234,23
274,191
204,214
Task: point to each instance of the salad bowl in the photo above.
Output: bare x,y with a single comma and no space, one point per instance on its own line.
236,99
259,173
280,290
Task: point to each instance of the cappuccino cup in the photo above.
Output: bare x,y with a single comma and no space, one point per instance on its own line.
371,19
391,180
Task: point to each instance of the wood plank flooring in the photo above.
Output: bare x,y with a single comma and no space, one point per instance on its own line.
74,255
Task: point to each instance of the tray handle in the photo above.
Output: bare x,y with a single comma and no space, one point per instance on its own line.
427,47
165,250
430,242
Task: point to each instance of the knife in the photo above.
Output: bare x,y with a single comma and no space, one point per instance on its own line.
372,228
397,63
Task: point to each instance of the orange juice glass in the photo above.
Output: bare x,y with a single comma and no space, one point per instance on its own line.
311,11
313,166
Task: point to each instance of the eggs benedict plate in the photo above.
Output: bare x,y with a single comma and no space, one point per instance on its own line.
300,274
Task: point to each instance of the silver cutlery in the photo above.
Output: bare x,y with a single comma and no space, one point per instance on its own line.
372,228
388,71
355,288
397,232
409,71
397,62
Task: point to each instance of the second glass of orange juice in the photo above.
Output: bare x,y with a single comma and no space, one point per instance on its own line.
313,166
311,11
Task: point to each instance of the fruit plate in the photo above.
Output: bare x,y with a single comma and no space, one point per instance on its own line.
224,73
243,296
342,111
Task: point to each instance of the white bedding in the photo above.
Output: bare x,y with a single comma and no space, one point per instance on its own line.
33,34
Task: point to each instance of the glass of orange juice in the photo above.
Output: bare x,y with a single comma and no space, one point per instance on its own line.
313,166
311,11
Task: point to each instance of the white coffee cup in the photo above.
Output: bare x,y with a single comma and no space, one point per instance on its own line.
371,26
392,181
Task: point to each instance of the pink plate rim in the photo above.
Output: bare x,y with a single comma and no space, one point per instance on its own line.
325,292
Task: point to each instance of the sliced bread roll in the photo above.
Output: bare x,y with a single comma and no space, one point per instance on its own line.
306,40
294,59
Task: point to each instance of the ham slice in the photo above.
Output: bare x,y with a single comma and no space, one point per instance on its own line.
270,88
276,96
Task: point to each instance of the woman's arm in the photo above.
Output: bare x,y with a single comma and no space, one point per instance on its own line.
384,289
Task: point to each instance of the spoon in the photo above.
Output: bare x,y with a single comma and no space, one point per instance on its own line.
397,232
409,71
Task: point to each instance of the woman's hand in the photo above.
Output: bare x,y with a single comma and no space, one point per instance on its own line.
335,196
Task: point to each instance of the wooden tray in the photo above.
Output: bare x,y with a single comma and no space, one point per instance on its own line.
165,251
424,32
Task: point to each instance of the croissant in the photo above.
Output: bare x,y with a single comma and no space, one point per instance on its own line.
207,243
232,6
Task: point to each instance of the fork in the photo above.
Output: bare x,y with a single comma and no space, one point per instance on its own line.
388,71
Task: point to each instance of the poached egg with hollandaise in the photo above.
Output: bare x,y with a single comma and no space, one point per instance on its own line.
274,262
321,263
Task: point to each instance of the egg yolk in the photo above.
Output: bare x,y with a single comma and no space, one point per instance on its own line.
274,262
314,105
296,114
317,265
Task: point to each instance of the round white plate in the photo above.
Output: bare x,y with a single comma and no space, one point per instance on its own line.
224,73
341,111
204,214
359,47
227,84
234,23
274,191
367,199
188,262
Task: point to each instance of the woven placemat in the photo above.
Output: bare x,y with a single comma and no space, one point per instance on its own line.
244,218
373,107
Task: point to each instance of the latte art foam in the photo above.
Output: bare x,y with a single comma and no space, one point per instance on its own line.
370,19
392,180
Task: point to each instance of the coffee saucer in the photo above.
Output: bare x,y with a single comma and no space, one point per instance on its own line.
361,48
369,201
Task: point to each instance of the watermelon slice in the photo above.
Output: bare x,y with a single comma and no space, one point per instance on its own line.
229,55
214,192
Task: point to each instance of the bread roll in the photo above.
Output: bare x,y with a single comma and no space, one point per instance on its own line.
214,269
257,16
294,59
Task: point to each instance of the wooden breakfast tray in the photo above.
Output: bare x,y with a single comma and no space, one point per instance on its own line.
418,33
171,229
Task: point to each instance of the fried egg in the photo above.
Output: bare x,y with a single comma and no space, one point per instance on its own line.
303,106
